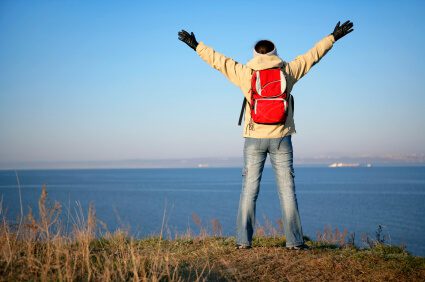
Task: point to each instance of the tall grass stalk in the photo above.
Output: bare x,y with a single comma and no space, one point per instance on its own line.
20,203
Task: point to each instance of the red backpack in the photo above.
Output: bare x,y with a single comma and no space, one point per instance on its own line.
269,100
269,103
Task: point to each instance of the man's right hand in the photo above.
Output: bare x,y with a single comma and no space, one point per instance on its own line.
187,38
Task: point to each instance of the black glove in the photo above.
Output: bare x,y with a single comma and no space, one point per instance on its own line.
342,30
189,39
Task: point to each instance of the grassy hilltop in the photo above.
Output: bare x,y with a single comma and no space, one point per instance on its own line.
38,249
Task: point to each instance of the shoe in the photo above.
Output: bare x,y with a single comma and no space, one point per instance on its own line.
302,247
242,247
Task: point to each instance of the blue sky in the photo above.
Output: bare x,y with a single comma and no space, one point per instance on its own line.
108,80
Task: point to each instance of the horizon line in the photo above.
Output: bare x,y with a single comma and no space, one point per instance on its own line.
211,162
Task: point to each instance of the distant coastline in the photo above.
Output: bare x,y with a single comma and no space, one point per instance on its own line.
218,162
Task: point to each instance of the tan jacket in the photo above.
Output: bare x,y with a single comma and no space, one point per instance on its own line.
240,75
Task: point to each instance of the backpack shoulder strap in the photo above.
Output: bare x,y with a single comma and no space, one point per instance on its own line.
242,111
244,102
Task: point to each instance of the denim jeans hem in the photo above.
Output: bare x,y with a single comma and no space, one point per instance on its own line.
243,243
294,244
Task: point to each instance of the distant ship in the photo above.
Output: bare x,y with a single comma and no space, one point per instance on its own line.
349,165
344,165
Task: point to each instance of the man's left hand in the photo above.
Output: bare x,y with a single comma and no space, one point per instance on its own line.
343,30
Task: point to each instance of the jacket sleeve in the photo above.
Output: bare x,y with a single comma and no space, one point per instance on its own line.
303,63
232,70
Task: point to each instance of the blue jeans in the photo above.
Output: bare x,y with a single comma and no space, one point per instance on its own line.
281,157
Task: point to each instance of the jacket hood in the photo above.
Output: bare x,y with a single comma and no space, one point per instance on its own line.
262,62
269,43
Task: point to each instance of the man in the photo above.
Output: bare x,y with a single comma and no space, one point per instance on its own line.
263,139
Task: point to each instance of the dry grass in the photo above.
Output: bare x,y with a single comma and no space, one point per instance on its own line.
40,248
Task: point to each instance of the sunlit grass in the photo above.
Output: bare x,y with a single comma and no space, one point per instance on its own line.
40,247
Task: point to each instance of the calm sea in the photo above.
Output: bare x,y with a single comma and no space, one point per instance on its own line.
356,199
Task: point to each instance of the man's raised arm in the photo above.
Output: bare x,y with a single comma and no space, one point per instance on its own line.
302,64
231,69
